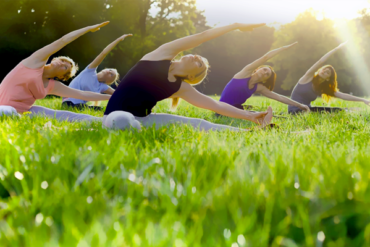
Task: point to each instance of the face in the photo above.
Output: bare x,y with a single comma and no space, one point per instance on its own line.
263,73
108,75
61,67
192,65
325,73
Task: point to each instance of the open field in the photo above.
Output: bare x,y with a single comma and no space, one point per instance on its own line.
77,184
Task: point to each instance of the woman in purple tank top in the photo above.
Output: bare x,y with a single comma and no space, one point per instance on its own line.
256,78
320,80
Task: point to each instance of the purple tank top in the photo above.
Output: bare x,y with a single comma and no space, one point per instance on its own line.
237,92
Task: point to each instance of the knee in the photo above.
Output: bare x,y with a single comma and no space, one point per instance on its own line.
8,111
121,120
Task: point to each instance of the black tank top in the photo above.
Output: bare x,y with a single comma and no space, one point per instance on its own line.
142,87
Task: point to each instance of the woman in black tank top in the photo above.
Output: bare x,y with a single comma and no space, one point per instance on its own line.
156,77
320,80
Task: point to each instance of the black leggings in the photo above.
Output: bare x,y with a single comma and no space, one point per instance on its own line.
81,106
320,109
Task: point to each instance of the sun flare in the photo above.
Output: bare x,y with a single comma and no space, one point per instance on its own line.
223,12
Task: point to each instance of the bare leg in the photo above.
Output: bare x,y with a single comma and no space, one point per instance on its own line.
62,115
161,119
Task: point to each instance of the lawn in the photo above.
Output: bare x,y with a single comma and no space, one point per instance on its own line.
78,184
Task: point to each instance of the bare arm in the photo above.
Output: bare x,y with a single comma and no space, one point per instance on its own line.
109,91
106,51
63,91
191,95
40,57
170,50
248,70
348,97
311,72
269,94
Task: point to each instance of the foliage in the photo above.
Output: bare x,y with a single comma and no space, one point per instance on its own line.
28,25
77,184
316,38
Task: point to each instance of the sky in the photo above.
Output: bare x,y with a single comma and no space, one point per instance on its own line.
223,12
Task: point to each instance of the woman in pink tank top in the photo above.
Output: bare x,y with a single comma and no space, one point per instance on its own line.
31,80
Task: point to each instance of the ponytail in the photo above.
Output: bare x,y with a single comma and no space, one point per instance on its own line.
174,103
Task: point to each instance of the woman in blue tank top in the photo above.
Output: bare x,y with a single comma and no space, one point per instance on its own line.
157,77
90,80
256,78
320,80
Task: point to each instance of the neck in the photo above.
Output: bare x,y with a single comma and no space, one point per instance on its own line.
174,71
254,80
100,77
48,72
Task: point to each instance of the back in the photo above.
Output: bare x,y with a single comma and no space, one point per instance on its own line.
22,86
304,94
87,80
237,91
142,87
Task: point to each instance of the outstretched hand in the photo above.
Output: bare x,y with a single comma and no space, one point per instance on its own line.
124,36
97,27
291,45
262,118
249,27
341,45
305,108
366,102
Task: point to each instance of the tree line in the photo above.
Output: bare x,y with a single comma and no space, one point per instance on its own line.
27,25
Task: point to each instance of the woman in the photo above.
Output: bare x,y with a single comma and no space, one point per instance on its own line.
90,80
256,78
320,80
156,77
32,79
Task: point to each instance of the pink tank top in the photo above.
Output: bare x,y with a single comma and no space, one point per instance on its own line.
22,87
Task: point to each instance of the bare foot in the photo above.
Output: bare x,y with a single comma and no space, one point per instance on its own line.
268,118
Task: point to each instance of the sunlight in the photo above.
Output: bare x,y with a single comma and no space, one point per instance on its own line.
353,53
224,12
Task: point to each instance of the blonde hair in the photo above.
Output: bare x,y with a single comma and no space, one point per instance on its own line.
74,68
115,81
199,78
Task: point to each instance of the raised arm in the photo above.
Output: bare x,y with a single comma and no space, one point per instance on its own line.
311,72
348,97
191,95
248,70
170,50
64,91
269,94
40,57
106,51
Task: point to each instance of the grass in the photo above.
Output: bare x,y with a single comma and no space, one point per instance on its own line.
77,184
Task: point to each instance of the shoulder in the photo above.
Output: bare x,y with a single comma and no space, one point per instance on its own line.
26,64
184,88
244,74
89,70
158,55
261,88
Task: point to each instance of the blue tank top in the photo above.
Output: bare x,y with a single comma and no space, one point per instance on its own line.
304,94
237,92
